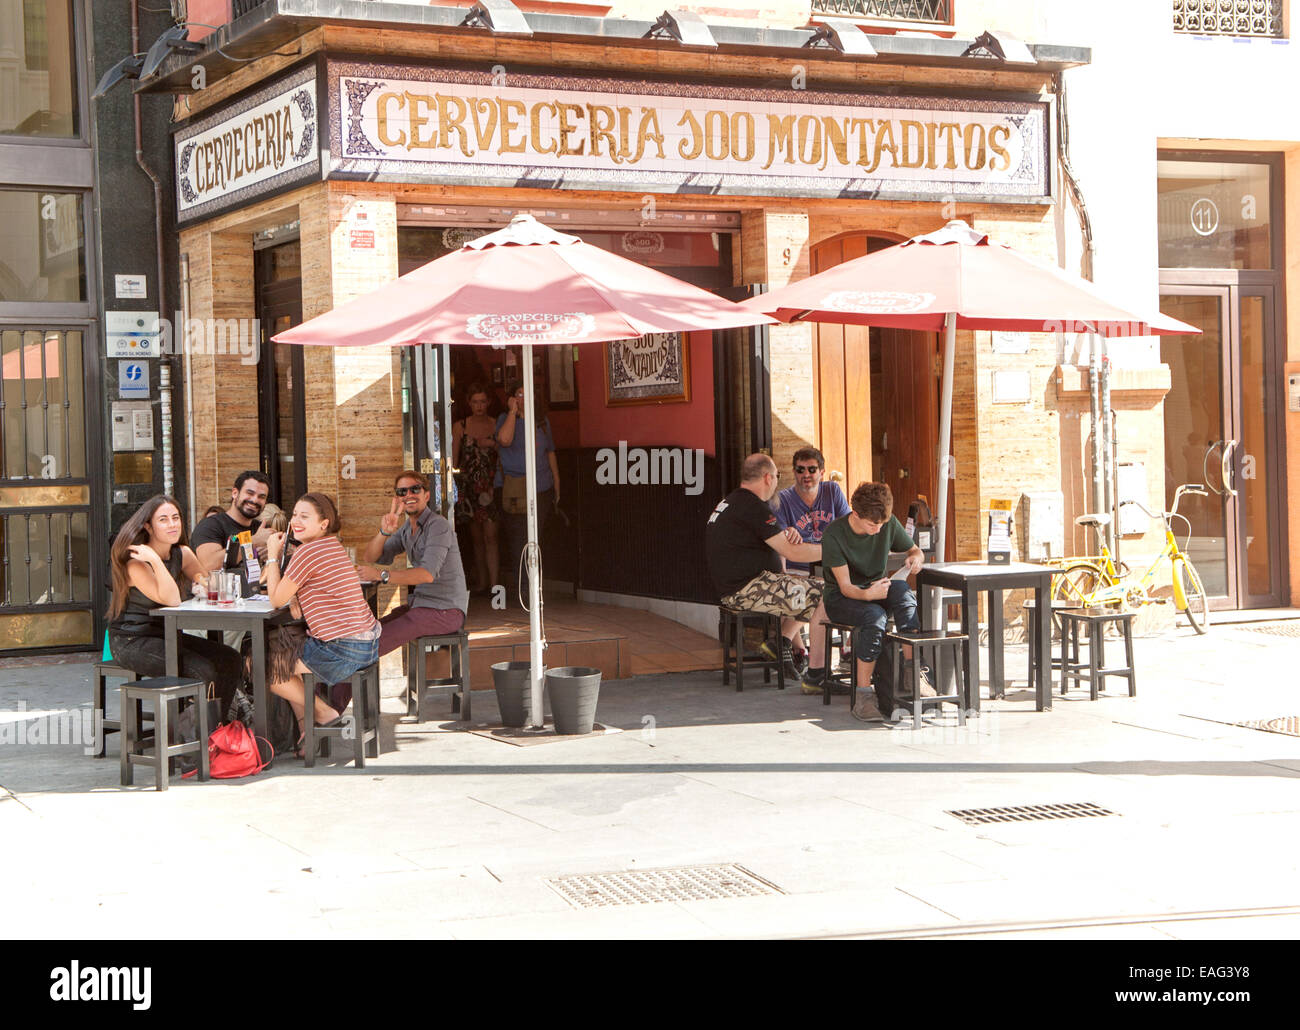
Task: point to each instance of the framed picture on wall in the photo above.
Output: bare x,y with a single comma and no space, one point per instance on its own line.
650,369
561,377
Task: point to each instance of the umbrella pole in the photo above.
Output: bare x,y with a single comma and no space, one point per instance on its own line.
945,456
535,667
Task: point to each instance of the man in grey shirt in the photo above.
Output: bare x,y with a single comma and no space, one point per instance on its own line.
439,598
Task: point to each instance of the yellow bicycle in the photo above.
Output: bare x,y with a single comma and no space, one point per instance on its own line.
1093,582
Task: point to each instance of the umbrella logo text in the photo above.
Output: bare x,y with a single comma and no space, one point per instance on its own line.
541,326
878,301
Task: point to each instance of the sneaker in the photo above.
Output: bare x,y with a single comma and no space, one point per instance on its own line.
813,681
792,670
866,711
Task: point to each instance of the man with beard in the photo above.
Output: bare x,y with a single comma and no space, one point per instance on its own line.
211,539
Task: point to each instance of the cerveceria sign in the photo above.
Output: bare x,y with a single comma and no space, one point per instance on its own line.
260,144
403,123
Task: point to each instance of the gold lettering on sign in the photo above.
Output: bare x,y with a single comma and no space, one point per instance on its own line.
742,128
602,121
382,116
466,125
509,108
451,118
535,129
690,151
952,130
973,137
995,145
417,121
780,132
644,135
568,128
913,146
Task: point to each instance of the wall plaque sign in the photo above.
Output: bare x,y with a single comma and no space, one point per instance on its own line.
409,123
253,147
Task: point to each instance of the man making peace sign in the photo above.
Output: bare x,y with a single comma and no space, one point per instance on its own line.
438,596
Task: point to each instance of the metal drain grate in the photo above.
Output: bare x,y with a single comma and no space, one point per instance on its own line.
1290,628
647,886
1288,724
1029,813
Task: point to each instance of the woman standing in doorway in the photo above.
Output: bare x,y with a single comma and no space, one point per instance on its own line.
475,446
510,435
152,567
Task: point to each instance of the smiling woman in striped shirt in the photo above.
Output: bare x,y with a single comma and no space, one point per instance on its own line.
342,633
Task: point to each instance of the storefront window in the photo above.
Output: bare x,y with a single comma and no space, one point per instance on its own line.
38,82
42,247
1214,214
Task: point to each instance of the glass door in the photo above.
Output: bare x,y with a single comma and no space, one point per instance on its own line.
282,411
1221,429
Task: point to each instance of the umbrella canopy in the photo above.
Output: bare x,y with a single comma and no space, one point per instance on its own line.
916,284
953,279
525,283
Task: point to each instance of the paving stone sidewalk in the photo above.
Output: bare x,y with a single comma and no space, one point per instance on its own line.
454,835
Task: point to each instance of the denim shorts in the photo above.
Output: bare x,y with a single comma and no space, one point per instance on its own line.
333,661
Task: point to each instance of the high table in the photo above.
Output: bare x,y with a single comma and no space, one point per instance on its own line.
253,615
970,579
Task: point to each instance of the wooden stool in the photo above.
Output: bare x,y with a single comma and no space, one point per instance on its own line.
1093,670
362,728
417,673
163,691
1057,607
846,631
105,671
731,631
937,642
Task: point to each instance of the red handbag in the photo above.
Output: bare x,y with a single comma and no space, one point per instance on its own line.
233,753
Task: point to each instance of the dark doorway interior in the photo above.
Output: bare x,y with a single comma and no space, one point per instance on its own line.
281,407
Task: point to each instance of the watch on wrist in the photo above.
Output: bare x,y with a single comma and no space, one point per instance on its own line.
383,576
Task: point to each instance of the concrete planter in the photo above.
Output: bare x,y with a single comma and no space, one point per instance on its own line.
574,691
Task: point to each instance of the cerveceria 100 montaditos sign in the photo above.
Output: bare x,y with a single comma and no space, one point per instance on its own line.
262,143
406,123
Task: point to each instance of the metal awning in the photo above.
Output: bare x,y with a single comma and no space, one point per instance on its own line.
272,25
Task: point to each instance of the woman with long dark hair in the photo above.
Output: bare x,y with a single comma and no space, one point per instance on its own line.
342,632
152,567
474,443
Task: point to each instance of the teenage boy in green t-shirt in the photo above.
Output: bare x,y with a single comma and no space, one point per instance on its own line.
855,550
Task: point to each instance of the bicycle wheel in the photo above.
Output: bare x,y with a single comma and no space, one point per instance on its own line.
1198,609
1077,584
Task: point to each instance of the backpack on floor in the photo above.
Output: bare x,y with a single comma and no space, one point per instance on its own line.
233,752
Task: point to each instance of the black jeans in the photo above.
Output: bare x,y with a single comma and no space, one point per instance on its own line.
200,659
517,539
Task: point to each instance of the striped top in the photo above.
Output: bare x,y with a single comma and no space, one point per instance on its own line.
329,590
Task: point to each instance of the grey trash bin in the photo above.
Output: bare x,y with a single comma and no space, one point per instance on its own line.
513,696
574,691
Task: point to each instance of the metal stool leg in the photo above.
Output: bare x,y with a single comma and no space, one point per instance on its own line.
1128,657
128,733
740,653
161,739
826,667
1096,635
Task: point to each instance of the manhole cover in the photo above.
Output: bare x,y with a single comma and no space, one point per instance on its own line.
1290,628
1029,813
646,886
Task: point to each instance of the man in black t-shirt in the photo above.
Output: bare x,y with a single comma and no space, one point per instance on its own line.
211,537
744,544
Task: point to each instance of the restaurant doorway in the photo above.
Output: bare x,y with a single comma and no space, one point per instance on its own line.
600,538
1220,252
878,395
281,408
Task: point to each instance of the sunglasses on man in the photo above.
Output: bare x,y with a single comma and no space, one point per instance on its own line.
806,469
402,491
